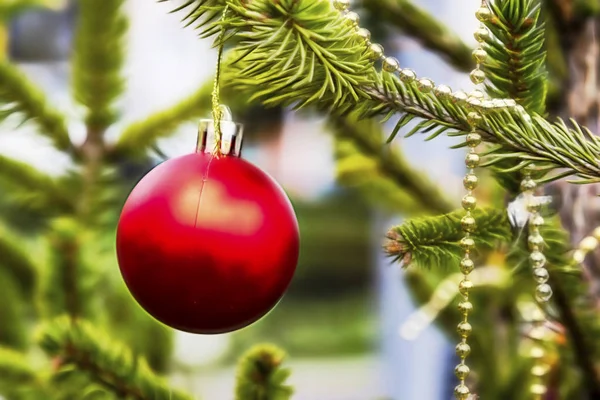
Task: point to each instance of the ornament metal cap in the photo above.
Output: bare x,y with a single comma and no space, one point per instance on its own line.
231,135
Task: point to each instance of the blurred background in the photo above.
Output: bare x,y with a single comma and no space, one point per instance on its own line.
342,320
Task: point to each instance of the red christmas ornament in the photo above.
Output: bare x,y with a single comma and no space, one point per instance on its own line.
208,243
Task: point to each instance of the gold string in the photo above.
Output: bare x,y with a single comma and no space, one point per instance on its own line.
217,112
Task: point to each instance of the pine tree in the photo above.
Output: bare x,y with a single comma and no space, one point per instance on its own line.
303,54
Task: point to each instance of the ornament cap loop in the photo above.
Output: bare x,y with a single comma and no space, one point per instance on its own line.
231,135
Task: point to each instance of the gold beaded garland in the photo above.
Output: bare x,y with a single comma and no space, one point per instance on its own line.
543,291
477,105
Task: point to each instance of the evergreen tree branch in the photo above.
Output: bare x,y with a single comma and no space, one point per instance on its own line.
516,58
18,95
18,263
381,166
12,313
435,241
16,373
99,53
81,345
515,66
141,135
331,59
261,377
423,27
32,186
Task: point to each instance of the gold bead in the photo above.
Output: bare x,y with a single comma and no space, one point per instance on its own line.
467,244
541,275
364,34
465,307
464,286
470,181
463,350
527,184
538,333
472,102
469,202
464,329
588,244
375,51
538,389
537,352
341,5
466,266
460,96
462,371
537,221
477,76
482,35
468,223
473,139
407,75
536,241
353,18
461,392
483,14
478,94
443,92
479,55
539,370
538,259
425,85
543,293
474,118
391,64
472,160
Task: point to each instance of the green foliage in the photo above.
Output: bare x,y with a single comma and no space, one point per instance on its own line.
415,22
381,171
20,97
18,380
99,53
290,57
16,262
516,54
261,377
515,66
266,72
32,188
84,351
139,136
66,288
13,330
435,241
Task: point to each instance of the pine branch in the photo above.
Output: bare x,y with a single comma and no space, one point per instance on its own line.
261,377
435,241
17,377
82,349
423,27
32,187
289,55
66,278
516,58
274,61
141,135
99,52
20,96
17,262
12,312
363,155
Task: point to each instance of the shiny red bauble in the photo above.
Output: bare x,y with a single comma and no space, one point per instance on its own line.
207,244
